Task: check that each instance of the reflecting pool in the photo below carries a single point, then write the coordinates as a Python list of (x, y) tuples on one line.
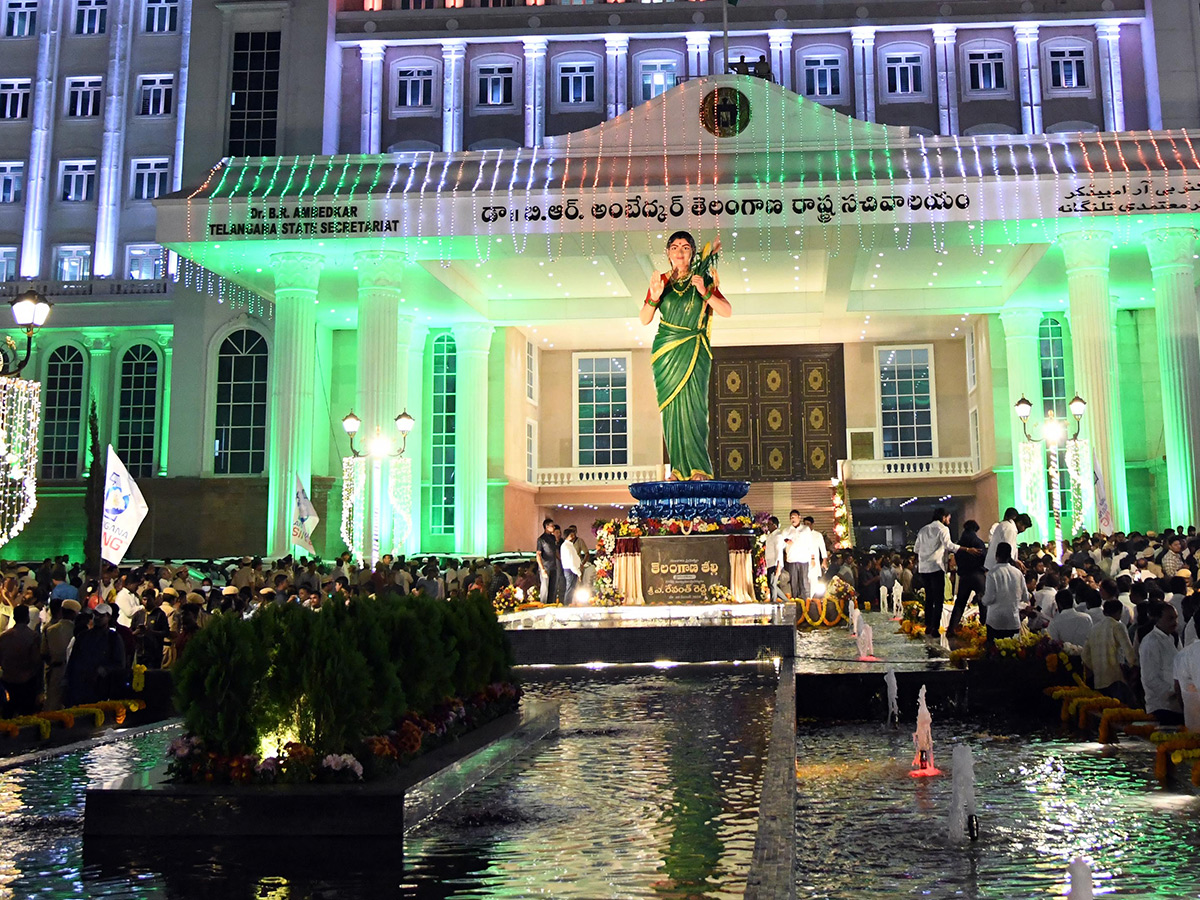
[(865, 828)]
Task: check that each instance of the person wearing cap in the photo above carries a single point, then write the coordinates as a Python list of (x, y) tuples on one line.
[(153, 631), (97, 660), (56, 646), (20, 666)]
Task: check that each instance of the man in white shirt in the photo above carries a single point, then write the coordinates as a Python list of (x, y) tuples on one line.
[(1004, 593), (571, 563), (795, 549), (1187, 683), (932, 546), (1043, 602), (815, 551), (128, 603), (773, 553), (1157, 657), (1108, 654), (1005, 532), (1070, 626)]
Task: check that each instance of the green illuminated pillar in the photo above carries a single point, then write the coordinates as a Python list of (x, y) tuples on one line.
[(1086, 255), (473, 340), (1025, 380), (293, 372), (1171, 251), (414, 401), (164, 416)]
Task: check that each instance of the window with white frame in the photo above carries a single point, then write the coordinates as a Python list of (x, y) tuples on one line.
[(442, 435), (986, 65), (602, 409), (14, 98), (496, 4), (532, 354), (254, 100), (63, 394), (576, 85), (906, 401), (77, 180), (145, 262), (72, 262), (821, 73), (151, 178), (83, 96), (531, 432), (905, 73), (12, 181), (240, 438), (1053, 359), (91, 16), (494, 85), (657, 76), (415, 87), (973, 421), (20, 18), (162, 16), (8, 263), (1067, 68), (137, 410), (970, 342), (156, 95)]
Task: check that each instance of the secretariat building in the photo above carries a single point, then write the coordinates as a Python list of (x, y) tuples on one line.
[(256, 217)]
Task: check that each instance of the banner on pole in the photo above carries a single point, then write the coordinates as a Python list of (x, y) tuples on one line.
[(124, 510), (304, 520), (1104, 520)]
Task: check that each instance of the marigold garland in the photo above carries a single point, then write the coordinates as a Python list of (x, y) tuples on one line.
[(1166, 750), (1115, 715), (138, 682), (1085, 705)]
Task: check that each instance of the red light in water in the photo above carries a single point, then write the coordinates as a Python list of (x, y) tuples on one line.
[(924, 773)]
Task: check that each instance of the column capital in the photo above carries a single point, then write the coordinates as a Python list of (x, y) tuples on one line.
[(454, 49), (863, 37), (1108, 31), (372, 51), (380, 268), (1020, 321), (534, 46), (1086, 250), (472, 337), (697, 41), (1169, 247), (615, 43), (780, 38), (944, 34), (1026, 33), (297, 271)]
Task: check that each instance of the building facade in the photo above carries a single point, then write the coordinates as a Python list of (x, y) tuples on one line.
[(518, 351)]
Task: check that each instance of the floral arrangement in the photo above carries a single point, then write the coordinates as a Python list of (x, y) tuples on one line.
[(843, 525), (508, 599), (607, 532), (45, 721), (1171, 749), (138, 682), (342, 767), (719, 593), (606, 593), (1116, 715)]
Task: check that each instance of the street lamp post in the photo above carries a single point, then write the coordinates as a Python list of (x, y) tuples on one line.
[(1054, 431), (379, 448), (29, 311)]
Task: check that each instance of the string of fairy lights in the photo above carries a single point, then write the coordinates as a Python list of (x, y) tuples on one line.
[(20, 416)]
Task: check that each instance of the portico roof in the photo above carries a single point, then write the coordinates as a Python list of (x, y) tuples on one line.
[(828, 218)]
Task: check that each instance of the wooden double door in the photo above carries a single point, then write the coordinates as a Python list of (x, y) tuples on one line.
[(777, 413)]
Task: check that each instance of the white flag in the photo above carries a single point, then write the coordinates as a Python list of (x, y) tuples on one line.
[(124, 510), (304, 520), (1103, 512)]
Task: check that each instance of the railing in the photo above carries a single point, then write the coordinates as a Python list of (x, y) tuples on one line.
[(599, 476), (932, 467), (100, 287)]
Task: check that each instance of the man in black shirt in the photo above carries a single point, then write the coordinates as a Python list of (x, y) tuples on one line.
[(548, 562)]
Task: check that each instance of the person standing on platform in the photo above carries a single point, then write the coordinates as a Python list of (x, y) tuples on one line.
[(1157, 657), (932, 546), (547, 554), (773, 557), (817, 552), (795, 546), (560, 581), (572, 566), (970, 571), (1004, 593), (56, 641), (20, 666)]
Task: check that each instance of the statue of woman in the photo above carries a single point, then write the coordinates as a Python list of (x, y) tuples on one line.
[(686, 297)]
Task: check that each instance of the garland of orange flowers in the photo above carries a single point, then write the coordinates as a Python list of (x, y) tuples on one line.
[(1196, 773), (822, 618), (63, 716), (138, 682), (1167, 748), (1111, 717), (1141, 729), (1068, 695), (1084, 705)]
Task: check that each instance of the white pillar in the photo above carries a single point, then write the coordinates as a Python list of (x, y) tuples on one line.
[(100, 381), (864, 73), (39, 176), (453, 99), (1086, 254), (781, 56), (167, 345), (947, 77), (1171, 262), (617, 72), (1029, 76), (1112, 91), (535, 91), (697, 50), (181, 93), (111, 169), (1022, 354), (417, 336), (292, 376), (381, 377), (371, 54), (472, 342)]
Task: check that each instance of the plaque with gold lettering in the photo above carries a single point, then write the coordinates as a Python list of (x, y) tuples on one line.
[(680, 568)]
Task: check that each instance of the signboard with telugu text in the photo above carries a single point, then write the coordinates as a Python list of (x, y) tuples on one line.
[(680, 568)]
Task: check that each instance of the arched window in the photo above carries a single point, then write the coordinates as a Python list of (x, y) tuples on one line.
[(441, 482), (240, 441), (1052, 354), (62, 413), (137, 411)]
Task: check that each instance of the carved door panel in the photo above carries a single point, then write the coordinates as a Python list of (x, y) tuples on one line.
[(774, 420), (731, 441)]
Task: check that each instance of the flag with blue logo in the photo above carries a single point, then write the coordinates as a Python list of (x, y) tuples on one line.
[(124, 510)]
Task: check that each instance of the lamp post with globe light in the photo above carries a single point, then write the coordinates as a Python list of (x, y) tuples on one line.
[(1054, 432), (29, 311)]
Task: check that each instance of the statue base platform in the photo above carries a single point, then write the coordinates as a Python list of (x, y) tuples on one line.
[(689, 500)]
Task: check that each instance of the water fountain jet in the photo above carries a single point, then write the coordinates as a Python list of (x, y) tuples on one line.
[(923, 740), (893, 692), (963, 822), (1079, 873)]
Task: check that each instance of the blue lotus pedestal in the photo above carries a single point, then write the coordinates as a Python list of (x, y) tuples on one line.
[(689, 499)]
